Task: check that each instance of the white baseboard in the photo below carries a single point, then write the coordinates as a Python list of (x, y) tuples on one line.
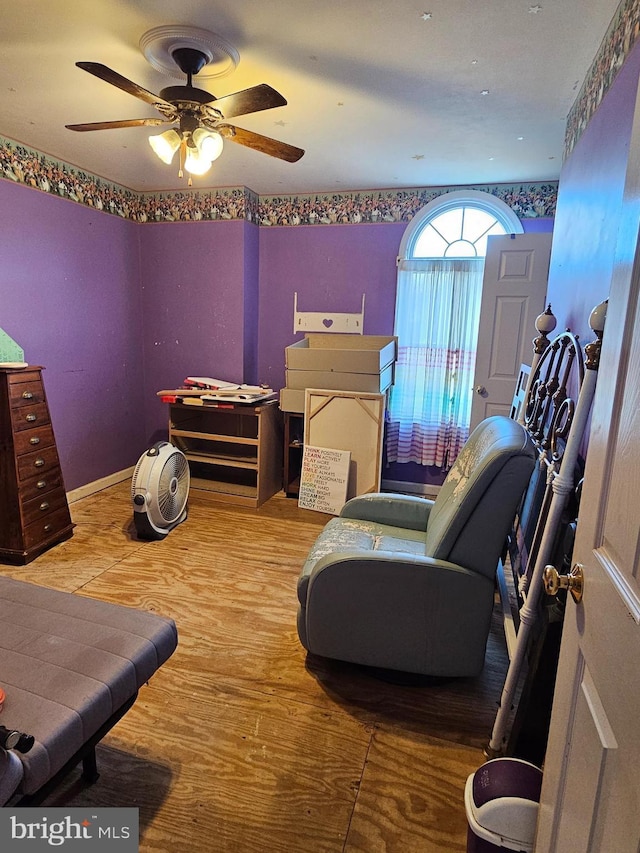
[(127, 473), (99, 485), (421, 489)]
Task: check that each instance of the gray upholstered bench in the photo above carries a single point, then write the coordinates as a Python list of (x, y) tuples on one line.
[(70, 666)]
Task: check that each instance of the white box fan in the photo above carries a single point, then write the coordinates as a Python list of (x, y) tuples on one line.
[(160, 490)]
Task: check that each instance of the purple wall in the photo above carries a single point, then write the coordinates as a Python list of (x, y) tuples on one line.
[(115, 310), (193, 307), (251, 301), (69, 296), (330, 267), (589, 208), (537, 226)]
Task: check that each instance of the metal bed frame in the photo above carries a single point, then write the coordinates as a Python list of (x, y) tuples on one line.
[(554, 408)]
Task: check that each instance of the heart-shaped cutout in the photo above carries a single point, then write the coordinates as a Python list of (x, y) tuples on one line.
[(327, 322)]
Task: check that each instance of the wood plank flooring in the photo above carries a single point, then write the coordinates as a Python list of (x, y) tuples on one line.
[(241, 742)]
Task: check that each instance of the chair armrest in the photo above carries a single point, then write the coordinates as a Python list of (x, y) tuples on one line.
[(404, 612), (406, 511), (393, 563)]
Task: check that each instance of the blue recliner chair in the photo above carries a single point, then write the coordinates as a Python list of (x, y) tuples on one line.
[(404, 583)]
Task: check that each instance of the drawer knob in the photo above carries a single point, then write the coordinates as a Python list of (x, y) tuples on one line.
[(44, 505), (39, 462), (48, 528), (27, 395), (41, 484), (34, 440), (31, 418)]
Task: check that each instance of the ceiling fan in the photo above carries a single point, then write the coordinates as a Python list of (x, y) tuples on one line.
[(199, 118)]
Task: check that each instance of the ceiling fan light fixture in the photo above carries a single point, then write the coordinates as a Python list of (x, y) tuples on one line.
[(165, 145), (196, 115), (208, 143), (195, 163)]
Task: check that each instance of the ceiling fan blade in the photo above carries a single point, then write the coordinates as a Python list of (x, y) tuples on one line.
[(109, 125), (262, 97), (110, 76), (264, 144)]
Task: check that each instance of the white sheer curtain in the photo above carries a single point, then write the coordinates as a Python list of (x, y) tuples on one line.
[(437, 313)]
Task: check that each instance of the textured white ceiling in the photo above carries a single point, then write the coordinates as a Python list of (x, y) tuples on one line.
[(379, 94)]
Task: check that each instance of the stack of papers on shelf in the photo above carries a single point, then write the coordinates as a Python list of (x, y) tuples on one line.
[(207, 391), (239, 396), (208, 382)]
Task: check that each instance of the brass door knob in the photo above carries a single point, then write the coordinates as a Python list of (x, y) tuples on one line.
[(574, 581)]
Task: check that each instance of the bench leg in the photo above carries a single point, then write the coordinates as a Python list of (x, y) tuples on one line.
[(90, 772)]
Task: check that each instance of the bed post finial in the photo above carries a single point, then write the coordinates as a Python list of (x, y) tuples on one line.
[(592, 350)]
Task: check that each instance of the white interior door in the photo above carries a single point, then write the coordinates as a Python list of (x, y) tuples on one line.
[(513, 294), (591, 784)]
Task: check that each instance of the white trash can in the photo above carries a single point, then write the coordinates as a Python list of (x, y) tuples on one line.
[(501, 800)]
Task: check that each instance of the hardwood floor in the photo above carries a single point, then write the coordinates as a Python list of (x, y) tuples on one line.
[(241, 742)]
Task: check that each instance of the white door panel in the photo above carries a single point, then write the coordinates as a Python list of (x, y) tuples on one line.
[(513, 294), (591, 785), (592, 748)]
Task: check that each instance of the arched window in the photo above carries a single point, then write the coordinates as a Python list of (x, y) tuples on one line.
[(439, 289)]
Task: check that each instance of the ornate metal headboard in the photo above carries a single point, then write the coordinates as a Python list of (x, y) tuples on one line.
[(548, 413), (555, 412), (550, 405)]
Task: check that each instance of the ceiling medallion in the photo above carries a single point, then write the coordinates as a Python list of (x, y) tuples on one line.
[(159, 43)]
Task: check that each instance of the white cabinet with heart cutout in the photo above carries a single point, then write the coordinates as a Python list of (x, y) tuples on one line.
[(327, 321)]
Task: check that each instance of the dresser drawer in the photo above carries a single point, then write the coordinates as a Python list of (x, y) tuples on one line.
[(41, 462), (26, 441), (43, 506), (34, 514), (25, 390), (46, 527), (29, 416), (41, 485)]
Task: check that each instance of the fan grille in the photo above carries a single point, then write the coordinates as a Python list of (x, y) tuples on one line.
[(173, 486)]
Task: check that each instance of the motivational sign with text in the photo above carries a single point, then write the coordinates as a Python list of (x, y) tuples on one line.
[(324, 479)]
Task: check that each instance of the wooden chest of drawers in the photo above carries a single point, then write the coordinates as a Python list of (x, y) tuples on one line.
[(34, 514)]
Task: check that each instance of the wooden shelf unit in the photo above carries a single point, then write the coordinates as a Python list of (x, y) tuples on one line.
[(293, 449), (235, 452), (34, 513)]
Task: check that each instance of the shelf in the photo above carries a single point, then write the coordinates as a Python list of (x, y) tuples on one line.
[(248, 462), (210, 484), (234, 453), (293, 449), (210, 436), (292, 489)]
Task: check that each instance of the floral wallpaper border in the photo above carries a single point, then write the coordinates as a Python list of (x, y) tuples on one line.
[(527, 200), (615, 47), (24, 165)]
